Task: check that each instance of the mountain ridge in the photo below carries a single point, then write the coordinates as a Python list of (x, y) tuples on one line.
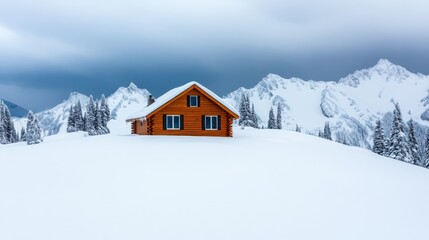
[(350, 105)]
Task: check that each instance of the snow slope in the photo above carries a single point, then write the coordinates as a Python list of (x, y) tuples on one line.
[(351, 105), (261, 184)]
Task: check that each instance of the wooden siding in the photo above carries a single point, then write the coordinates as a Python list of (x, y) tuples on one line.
[(140, 127), (192, 117)]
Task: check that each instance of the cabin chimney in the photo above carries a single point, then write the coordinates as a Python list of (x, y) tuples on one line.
[(150, 100)]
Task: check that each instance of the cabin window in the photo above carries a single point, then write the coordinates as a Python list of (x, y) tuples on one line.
[(193, 101), (211, 123), (173, 122)]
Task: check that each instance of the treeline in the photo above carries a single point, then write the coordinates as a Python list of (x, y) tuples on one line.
[(400, 145), (94, 120), (32, 134), (248, 117)]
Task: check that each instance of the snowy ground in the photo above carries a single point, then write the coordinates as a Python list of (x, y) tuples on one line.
[(258, 185)]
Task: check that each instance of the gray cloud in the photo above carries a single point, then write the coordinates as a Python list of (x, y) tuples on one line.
[(96, 46)]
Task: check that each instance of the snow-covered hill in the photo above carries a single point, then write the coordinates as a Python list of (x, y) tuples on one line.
[(261, 184), (351, 105)]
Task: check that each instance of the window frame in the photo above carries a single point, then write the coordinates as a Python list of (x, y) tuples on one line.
[(196, 100), (211, 122), (172, 124)]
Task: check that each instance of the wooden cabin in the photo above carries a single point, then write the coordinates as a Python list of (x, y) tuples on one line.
[(188, 110)]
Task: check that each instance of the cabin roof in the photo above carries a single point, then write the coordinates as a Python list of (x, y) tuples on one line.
[(175, 92)]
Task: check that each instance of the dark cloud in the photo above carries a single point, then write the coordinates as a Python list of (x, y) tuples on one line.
[(96, 46)]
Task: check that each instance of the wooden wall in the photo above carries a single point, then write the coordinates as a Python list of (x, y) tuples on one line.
[(140, 127)]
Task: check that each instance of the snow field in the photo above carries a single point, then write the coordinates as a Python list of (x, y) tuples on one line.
[(261, 184)]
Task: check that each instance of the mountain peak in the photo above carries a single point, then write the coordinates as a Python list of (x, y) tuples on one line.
[(388, 67), (384, 63), (132, 86), (76, 96), (383, 70)]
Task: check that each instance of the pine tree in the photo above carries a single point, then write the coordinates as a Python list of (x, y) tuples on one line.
[(71, 121), (254, 117), (279, 117), (23, 135), (97, 122), (84, 122), (379, 146), (34, 133), (104, 115), (3, 139), (271, 120), (327, 131), (413, 144), (321, 135), (247, 116), (398, 145), (426, 153), (8, 126), (91, 117), (297, 128), (79, 124), (243, 110)]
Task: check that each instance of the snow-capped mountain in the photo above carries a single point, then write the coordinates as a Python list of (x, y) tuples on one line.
[(351, 105), (15, 110), (54, 120), (123, 102)]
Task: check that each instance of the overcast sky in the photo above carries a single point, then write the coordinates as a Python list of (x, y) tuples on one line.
[(49, 48)]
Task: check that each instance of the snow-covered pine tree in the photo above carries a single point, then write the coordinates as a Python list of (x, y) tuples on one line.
[(8, 125), (413, 144), (3, 139), (297, 128), (79, 124), (398, 145), (23, 135), (84, 122), (243, 110), (34, 133), (254, 117), (97, 122), (91, 117), (271, 120), (327, 131), (279, 117), (426, 152), (247, 119), (71, 121), (99, 125), (321, 134), (104, 114), (38, 130), (379, 146)]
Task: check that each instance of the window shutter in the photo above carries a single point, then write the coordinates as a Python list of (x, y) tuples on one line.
[(189, 101), (164, 122), (219, 122), (203, 120), (182, 122), (198, 101)]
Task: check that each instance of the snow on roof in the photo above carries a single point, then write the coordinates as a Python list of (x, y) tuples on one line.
[(172, 94)]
